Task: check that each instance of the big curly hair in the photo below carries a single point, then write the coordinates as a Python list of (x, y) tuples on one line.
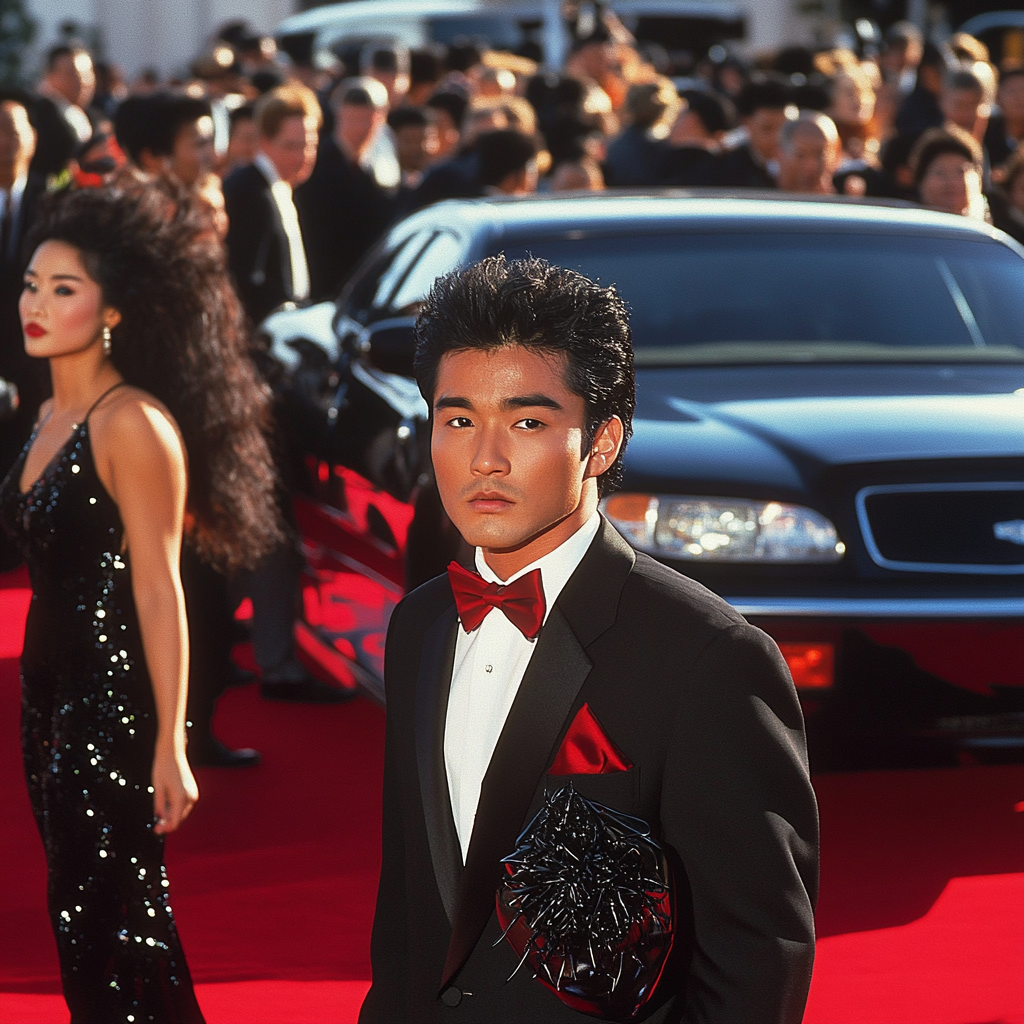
[(182, 338)]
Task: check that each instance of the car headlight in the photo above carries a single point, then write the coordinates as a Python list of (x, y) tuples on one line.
[(723, 529)]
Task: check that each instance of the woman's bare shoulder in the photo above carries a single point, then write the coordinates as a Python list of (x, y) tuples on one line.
[(131, 421)]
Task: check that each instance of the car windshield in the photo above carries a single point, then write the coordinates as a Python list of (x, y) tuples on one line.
[(776, 296)]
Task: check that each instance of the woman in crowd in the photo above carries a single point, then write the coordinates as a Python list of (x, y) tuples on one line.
[(155, 429), (946, 164)]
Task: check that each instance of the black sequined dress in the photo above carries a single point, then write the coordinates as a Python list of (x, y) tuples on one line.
[(88, 737)]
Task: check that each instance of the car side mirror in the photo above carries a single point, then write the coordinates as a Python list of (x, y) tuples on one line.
[(389, 345)]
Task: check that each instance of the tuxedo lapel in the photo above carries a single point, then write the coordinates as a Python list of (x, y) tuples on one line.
[(557, 670), (432, 687)]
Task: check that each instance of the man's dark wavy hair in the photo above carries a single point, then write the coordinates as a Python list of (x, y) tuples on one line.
[(529, 302), (182, 337)]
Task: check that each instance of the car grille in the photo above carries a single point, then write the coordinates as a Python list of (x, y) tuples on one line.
[(952, 527)]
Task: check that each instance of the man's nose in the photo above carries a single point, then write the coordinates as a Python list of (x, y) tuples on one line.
[(490, 457)]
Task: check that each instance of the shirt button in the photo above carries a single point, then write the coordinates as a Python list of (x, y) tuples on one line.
[(488, 668), (451, 996)]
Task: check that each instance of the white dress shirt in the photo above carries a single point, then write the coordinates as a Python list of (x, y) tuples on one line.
[(282, 193), (489, 665)]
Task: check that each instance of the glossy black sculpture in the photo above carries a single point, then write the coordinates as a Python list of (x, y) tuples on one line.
[(588, 904)]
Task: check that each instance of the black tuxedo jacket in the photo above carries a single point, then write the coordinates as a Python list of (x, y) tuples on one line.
[(258, 255), (702, 705)]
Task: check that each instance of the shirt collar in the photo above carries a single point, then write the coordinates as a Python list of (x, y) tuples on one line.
[(266, 167), (555, 567), (17, 190)]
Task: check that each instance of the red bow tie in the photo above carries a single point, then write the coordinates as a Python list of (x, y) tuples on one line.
[(522, 601)]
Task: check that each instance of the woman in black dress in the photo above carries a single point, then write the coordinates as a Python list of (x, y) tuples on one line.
[(155, 429)]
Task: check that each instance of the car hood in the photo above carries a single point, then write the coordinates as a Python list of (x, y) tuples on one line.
[(723, 426)]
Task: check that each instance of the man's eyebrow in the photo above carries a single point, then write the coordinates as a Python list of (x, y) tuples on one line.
[(530, 402), (453, 402)]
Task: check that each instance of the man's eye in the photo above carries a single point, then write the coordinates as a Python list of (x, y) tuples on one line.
[(460, 421), (529, 424)]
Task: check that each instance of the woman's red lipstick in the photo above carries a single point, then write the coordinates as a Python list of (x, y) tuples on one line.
[(34, 330)]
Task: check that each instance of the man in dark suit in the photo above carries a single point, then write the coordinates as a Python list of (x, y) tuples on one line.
[(20, 191), (266, 253), (573, 659), (763, 107)]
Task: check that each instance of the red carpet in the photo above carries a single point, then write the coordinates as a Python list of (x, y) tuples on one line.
[(274, 877)]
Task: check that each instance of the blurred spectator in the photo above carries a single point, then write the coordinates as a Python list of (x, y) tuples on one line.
[(508, 163), (69, 82), (220, 75), (1008, 198), (449, 112), (389, 65), (583, 175), (808, 154), (920, 110), (416, 142), (946, 164), (361, 110), (967, 49), (963, 103), (341, 208), (147, 82), (492, 83), (901, 55), (110, 88), (696, 138), (266, 80), (298, 48), (243, 138), (256, 53), (763, 107), (459, 177), (20, 191), (1006, 127), (167, 134), (852, 108), (265, 248), (591, 61), (426, 69), (637, 155), (97, 160)]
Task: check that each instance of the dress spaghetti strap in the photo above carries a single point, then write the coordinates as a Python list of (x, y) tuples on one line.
[(119, 384)]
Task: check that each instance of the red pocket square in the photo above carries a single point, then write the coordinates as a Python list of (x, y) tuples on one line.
[(586, 750)]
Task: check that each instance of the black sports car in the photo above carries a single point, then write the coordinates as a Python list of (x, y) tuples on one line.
[(829, 433)]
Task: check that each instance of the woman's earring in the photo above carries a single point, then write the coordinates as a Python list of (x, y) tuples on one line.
[(106, 340)]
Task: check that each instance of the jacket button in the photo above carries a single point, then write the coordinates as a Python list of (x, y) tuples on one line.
[(451, 996)]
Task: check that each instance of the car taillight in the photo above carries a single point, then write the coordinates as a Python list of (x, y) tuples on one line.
[(811, 665)]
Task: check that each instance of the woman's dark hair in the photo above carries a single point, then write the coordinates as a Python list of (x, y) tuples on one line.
[(937, 142), (529, 302), (182, 338)]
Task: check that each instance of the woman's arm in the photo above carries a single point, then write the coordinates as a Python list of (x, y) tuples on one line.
[(143, 466)]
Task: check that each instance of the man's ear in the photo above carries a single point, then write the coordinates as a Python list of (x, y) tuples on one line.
[(606, 447)]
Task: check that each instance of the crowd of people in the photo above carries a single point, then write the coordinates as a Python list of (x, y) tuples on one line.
[(301, 167)]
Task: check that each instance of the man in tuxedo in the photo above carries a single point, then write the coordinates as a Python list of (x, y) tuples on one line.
[(574, 659), (266, 253)]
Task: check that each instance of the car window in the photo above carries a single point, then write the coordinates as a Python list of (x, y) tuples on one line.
[(377, 280), (744, 295), (443, 252)]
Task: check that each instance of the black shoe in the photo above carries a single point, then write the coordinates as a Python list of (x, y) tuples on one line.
[(214, 754), (304, 691)]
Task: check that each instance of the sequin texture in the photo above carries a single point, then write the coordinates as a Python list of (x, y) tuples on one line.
[(88, 738)]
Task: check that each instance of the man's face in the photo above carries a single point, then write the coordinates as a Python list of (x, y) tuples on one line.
[(808, 164), (949, 183), (1011, 99), (292, 150), (355, 125), (17, 139), (193, 156), (74, 78), (415, 146), (962, 107), (764, 126), (506, 442)]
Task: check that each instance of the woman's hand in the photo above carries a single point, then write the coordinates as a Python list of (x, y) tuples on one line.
[(174, 789)]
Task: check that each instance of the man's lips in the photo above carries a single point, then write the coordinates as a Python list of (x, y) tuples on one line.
[(34, 330), (489, 501)]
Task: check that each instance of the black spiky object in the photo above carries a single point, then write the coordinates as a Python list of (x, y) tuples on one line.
[(587, 903)]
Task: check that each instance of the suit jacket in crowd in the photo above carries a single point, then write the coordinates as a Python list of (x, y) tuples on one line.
[(739, 168), (702, 705), (343, 211), (634, 159), (258, 255)]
